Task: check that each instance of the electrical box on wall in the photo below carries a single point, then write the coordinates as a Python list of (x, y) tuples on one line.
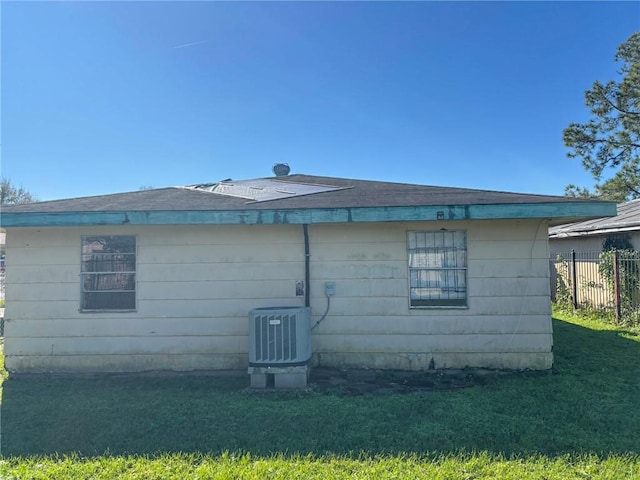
[(330, 288), (299, 288)]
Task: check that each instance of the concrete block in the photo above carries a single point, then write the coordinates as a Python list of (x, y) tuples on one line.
[(279, 377), (290, 380), (258, 380)]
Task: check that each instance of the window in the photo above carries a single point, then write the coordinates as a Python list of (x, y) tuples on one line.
[(108, 278), (438, 268)]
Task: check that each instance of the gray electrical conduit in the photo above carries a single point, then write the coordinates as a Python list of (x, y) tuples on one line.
[(324, 315), (307, 255), (307, 276)]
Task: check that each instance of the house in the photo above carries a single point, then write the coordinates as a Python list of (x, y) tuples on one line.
[(589, 235), (2, 265), (421, 277), (2, 243), (576, 248)]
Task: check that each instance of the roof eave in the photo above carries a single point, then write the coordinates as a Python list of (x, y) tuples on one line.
[(558, 210), (597, 231)]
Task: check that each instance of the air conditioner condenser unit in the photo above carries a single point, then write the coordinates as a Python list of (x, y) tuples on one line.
[(279, 336)]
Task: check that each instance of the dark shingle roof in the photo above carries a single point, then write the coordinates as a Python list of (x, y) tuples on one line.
[(348, 201), (354, 194)]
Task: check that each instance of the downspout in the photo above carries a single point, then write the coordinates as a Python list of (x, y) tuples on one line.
[(307, 276)]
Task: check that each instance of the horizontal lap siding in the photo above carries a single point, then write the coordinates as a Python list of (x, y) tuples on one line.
[(346, 306), (228, 272), (95, 345), (131, 326), (389, 305), (128, 363), (506, 287), (160, 308), (482, 269), (195, 286), (427, 360), (508, 299), (218, 255), (168, 290), (579, 244), (446, 343), (128, 326), (434, 325)]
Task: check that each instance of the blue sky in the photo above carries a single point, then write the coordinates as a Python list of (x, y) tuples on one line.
[(105, 97)]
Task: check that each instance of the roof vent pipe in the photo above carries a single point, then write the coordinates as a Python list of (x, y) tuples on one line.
[(281, 169)]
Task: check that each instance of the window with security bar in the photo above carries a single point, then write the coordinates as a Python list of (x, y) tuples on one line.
[(438, 268), (108, 273)]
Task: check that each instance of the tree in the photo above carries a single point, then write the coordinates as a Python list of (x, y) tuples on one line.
[(575, 191), (611, 139), (10, 194), (620, 188)]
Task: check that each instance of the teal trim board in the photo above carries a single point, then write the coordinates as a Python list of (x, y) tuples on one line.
[(573, 210)]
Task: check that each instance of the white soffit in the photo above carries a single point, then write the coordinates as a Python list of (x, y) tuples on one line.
[(261, 190)]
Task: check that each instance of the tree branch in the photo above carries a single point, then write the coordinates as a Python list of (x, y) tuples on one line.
[(616, 144), (626, 112), (633, 189)]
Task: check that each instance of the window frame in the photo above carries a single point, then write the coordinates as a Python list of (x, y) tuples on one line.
[(84, 274), (438, 303)]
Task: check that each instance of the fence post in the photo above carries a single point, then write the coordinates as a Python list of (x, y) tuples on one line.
[(574, 280), (616, 284)]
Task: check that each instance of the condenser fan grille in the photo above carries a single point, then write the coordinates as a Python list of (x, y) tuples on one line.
[(279, 336)]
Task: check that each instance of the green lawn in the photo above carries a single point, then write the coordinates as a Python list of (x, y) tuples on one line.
[(581, 421)]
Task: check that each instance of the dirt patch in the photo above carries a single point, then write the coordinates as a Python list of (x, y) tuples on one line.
[(382, 382)]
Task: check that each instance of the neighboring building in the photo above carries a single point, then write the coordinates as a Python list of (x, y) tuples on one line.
[(578, 245), (424, 277), (2, 266), (589, 235), (2, 243)]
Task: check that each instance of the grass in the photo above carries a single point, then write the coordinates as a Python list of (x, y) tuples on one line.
[(228, 466), (581, 421)]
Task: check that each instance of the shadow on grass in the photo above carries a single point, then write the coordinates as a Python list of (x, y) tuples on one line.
[(588, 405)]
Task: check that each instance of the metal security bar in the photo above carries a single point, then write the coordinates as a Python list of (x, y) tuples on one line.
[(437, 268), (108, 273)]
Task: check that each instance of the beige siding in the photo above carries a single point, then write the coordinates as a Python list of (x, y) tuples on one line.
[(148, 345), (506, 325), (128, 363), (129, 326), (485, 343), (196, 285), (579, 244), (422, 360)]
